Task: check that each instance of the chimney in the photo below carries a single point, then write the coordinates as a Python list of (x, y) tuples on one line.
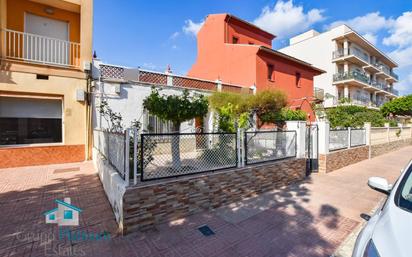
[(67, 200)]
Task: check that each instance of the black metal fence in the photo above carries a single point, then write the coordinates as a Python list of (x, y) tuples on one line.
[(173, 155), (263, 146)]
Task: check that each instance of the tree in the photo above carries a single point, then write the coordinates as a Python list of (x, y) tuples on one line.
[(398, 106), (177, 109), (267, 105), (232, 109)]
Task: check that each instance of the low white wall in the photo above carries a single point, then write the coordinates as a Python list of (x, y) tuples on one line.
[(114, 186)]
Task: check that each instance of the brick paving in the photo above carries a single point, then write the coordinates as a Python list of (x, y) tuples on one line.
[(311, 218)]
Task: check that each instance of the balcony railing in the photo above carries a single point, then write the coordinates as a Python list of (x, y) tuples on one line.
[(342, 52), (39, 49), (394, 75), (359, 76)]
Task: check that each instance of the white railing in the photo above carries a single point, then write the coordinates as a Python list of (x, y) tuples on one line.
[(39, 49)]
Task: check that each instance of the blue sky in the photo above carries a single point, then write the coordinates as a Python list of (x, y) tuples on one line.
[(154, 34)]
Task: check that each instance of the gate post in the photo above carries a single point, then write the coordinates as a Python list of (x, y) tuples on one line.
[(367, 126), (323, 137), (300, 128)]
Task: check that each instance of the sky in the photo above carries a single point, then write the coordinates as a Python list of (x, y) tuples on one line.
[(155, 34)]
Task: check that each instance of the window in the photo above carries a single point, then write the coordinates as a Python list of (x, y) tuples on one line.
[(30, 121), (52, 216), (297, 76), (270, 74), (68, 214), (235, 40), (156, 125)]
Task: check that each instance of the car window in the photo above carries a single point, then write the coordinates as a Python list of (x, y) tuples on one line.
[(403, 197)]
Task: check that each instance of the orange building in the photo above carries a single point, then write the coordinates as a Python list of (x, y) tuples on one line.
[(45, 59), (238, 52)]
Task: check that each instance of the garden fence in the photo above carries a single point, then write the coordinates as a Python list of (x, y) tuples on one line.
[(186, 153), (357, 137), (112, 145), (263, 146), (381, 135), (346, 138), (338, 139)]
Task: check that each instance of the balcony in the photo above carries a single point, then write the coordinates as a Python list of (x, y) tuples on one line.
[(362, 79), (351, 54), (37, 49), (352, 75)]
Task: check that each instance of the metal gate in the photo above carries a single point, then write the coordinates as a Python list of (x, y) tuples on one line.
[(312, 149)]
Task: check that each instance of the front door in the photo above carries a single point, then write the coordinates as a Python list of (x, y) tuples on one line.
[(46, 40)]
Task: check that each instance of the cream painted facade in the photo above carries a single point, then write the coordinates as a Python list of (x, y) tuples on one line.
[(54, 69), (356, 71)]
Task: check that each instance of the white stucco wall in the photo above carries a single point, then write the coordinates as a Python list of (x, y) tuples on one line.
[(114, 186), (129, 103)]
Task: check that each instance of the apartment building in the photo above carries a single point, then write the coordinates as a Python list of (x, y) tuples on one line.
[(46, 50), (356, 71), (235, 51)]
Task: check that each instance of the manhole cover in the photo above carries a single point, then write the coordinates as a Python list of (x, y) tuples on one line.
[(206, 230)]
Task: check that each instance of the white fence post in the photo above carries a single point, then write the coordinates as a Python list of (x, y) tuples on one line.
[(367, 126), (136, 138), (324, 128), (169, 78), (300, 128), (240, 148), (219, 85), (349, 137), (127, 156), (401, 129), (387, 131)]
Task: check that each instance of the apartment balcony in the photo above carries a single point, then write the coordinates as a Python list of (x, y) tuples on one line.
[(359, 101), (387, 74), (31, 48), (362, 80), (355, 77), (350, 54)]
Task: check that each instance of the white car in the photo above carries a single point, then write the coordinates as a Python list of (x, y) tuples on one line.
[(388, 233)]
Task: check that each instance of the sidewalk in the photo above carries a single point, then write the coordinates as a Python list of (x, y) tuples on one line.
[(311, 218)]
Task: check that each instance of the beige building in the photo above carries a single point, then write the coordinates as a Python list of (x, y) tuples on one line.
[(356, 71), (46, 51)]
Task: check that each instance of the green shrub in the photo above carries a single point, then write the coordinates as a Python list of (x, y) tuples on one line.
[(354, 116), (398, 106), (288, 114)]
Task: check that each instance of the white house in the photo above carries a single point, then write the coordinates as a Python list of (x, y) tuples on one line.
[(64, 215), (355, 69), (124, 89)]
